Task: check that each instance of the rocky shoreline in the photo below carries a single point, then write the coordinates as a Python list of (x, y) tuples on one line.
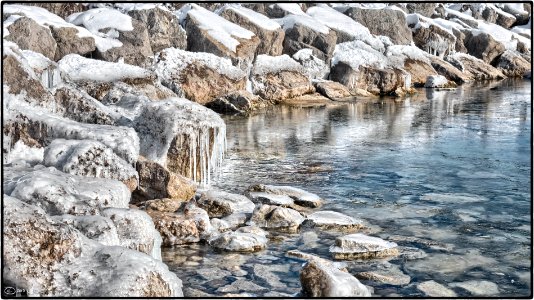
[(111, 130)]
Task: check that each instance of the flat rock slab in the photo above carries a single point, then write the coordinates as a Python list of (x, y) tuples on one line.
[(299, 196), (433, 289), (276, 217), (478, 287), (240, 241), (354, 246), (333, 220), (388, 274), (221, 204), (271, 199), (241, 285)]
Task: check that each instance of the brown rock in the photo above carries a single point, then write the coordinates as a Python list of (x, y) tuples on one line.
[(29, 35), (239, 102), (68, 42), (62, 9), (164, 205), (388, 22), (283, 85), (419, 71), (301, 37), (483, 46), (513, 65), (474, 67), (449, 71)]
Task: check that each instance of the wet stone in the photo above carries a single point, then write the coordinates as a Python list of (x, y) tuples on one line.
[(387, 274), (478, 287), (354, 246), (433, 289), (241, 285), (212, 273), (332, 220)]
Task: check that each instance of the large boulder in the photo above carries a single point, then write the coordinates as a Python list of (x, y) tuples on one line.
[(156, 181), (314, 67), (164, 30), (519, 11), (431, 37), (200, 77), (513, 65), (69, 41), (357, 245), (269, 32), (388, 22), (474, 67), (449, 71), (279, 77), (209, 32), (239, 102), (220, 204), (493, 14), (29, 35), (89, 158), (482, 45), (276, 217), (322, 280)]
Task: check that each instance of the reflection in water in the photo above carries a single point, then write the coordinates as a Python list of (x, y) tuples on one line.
[(448, 166)]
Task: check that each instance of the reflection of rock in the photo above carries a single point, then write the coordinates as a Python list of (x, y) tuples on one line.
[(359, 245), (319, 280), (332, 220), (478, 288), (275, 217), (220, 204), (433, 289)]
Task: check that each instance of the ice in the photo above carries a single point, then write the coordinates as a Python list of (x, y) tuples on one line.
[(266, 64), (292, 8), (81, 68), (289, 22), (435, 81), (219, 28), (127, 7), (21, 151), (254, 17)]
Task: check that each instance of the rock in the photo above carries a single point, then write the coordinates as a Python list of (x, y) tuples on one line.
[(482, 45), (388, 22), (63, 9), (69, 42), (310, 257), (449, 71), (521, 14), (332, 220), (200, 77), (433, 39), (478, 288), (89, 158), (385, 274), (308, 100), (211, 33), (239, 102), (241, 285), (182, 136), (476, 68), (303, 32), (268, 275), (271, 199), (319, 280), (279, 77), (269, 32), (29, 35), (424, 9), (314, 67), (135, 230), (156, 181), (495, 15), (513, 65), (38, 246), (220, 204), (433, 289), (359, 245), (419, 71), (280, 10), (163, 205), (97, 228), (275, 217), (164, 30), (333, 90), (438, 81), (299, 196), (213, 273), (240, 241)]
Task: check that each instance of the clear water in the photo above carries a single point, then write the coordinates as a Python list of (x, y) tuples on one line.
[(449, 167)]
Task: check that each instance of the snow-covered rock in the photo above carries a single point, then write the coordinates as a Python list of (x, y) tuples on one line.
[(437, 81), (29, 35), (446, 69), (476, 68), (279, 77), (314, 67), (280, 10), (322, 280), (89, 158), (332, 220), (483, 46), (220, 204), (434, 36), (271, 199), (514, 65), (200, 77), (245, 239), (97, 228), (300, 197), (209, 32), (182, 136), (276, 217), (268, 31), (359, 245)]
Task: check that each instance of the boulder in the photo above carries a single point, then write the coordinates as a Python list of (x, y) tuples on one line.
[(333, 90), (200, 77), (321, 280), (482, 45), (271, 199), (62, 9), (220, 204), (280, 10), (164, 30), (69, 42), (299, 196), (388, 22), (246, 239), (424, 9), (97, 228), (89, 158), (163, 205), (357, 245), (431, 288), (332, 220), (156, 181), (239, 102), (279, 77), (276, 217), (231, 222), (495, 15), (474, 67), (519, 11), (419, 71), (385, 273), (449, 71), (438, 81), (513, 64), (269, 32), (314, 67), (211, 33), (432, 38), (241, 285), (29, 35)]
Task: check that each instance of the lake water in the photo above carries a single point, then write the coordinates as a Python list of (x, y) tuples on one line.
[(447, 172)]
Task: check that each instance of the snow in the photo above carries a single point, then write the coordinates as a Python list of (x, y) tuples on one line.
[(314, 67), (503, 35), (407, 52), (254, 17), (172, 61), (127, 7), (289, 22), (266, 64), (524, 29), (436, 81), (80, 68), (358, 53), (291, 8), (219, 28), (21, 151)]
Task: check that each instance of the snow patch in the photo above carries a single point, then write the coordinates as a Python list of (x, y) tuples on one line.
[(266, 64), (254, 17), (289, 22), (81, 68)]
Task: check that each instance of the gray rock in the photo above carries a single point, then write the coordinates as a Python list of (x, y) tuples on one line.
[(319, 280), (433, 289), (29, 35), (434, 40), (266, 273), (332, 220), (240, 241), (493, 15), (359, 245), (275, 217), (424, 9), (388, 22), (220, 204), (212, 273), (241, 285), (238, 102), (333, 90), (479, 288), (513, 64), (314, 67), (474, 67), (68, 42), (163, 27), (271, 199), (483, 46), (279, 11), (449, 71), (302, 37), (386, 274), (299, 196)]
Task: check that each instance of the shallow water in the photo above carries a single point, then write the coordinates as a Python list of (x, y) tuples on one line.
[(452, 167)]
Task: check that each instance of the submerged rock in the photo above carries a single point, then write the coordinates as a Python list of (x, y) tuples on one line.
[(275, 217), (245, 239), (220, 204), (332, 220), (241, 285), (299, 196), (320, 280), (479, 288), (359, 245), (433, 289), (386, 274)]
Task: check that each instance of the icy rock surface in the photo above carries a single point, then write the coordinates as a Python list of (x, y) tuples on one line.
[(359, 245), (436, 81), (245, 239), (332, 220), (299, 196), (97, 228), (276, 217), (220, 204)]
